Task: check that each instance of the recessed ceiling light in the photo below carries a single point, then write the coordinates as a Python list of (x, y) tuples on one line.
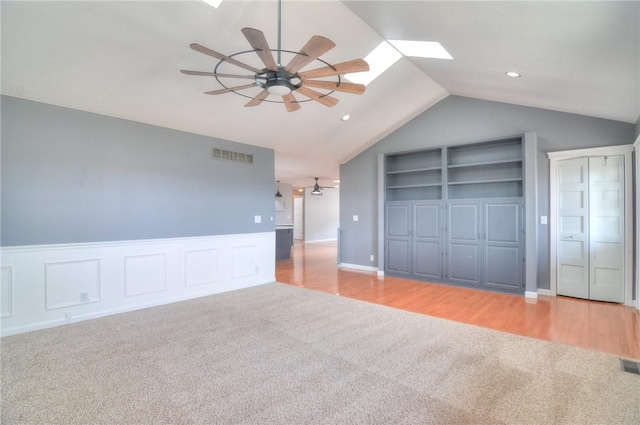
[(346, 117), (212, 3), (421, 49), (513, 74), (379, 60)]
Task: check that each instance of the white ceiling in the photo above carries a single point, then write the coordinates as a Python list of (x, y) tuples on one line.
[(122, 59)]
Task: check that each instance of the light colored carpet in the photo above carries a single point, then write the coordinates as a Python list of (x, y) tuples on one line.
[(277, 354)]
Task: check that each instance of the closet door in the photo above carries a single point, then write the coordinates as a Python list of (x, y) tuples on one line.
[(606, 241), (573, 228)]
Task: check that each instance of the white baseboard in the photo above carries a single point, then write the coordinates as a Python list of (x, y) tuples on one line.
[(321, 240), (44, 286), (358, 267), (530, 294), (544, 292)]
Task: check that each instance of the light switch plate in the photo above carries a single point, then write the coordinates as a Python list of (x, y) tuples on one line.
[(258, 219), (355, 218), (543, 219)]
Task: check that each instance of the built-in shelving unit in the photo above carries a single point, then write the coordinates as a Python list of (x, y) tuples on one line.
[(414, 175), (455, 214), (485, 170)]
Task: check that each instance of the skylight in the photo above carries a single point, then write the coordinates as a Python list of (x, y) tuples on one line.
[(379, 60), (212, 3), (421, 49)]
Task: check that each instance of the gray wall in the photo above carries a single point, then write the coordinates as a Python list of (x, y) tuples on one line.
[(638, 127), (457, 120), (70, 176)]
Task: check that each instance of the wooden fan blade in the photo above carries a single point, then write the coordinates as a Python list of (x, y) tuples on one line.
[(333, 85), (228, 89), (257, 40), (315, 47), (215, 74), (199, 48), (290, 102), (356, 65), (318, 97), (258, 99)]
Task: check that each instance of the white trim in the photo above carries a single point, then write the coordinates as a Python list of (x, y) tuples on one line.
[(31, 311), (578, 153), (530, 294), (554, 157), (546, 292), (321, 240), (637, 238), (358, 267), (381, 273)]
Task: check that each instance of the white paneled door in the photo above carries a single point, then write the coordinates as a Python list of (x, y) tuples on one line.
[(607, 230), (590, 250)]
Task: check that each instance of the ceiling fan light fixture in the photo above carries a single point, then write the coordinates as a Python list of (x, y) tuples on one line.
[(279, 86), (316, 188)]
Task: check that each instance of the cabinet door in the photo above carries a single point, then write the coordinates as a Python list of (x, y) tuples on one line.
[(463, 242), (427, 251), (502, 247), (398, 235)]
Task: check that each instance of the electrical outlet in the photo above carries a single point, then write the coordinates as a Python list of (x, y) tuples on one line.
[(257, 219), (372, 258), (84, 297)]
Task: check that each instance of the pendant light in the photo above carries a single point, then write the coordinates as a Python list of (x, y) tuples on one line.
[(278, 194)]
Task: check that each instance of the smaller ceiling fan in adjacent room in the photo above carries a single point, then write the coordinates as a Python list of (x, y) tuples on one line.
[(317, 190), (277, 79)]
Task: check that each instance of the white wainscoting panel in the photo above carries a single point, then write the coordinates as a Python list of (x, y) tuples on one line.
[(244, 261), (201, 267), (70, 283), (6, 284), (50, 285), (145, 274)]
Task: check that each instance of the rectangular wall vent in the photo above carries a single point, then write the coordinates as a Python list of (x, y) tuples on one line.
[(232, 156)]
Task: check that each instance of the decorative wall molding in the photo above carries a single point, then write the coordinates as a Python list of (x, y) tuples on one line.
[(72, 282), (51, 285), (6, 292), (201, 267), (145, 274)]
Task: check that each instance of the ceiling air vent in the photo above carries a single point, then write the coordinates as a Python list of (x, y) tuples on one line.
[(232, 156)]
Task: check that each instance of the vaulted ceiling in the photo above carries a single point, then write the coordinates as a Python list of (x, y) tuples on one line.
[(122, 59)]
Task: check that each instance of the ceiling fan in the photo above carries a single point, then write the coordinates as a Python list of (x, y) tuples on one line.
[(317, 190), (283, 80)]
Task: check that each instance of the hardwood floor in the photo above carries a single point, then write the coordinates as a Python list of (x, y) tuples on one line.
[(612, 328)]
